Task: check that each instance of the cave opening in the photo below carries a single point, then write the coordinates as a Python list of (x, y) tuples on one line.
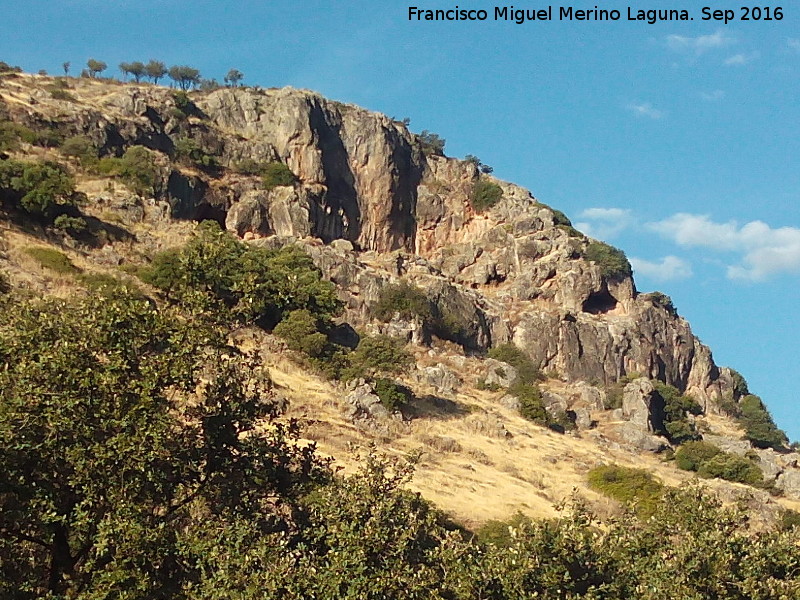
[(599, 303)]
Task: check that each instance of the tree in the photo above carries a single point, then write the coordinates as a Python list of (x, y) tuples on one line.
[(65, 65), (233, 77), (155, 70), (124, 430), (136, 69), (125, 69), (96, 67), (185, 76)]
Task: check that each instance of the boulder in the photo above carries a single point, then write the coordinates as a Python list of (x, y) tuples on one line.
[(643, 406)]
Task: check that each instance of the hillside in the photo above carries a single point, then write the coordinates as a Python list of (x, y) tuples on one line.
[(482, 263)]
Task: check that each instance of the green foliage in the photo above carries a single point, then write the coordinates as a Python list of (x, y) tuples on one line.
[(107, 285), (379, 354), (612, 261), (431, 143), (233, 77), (662, 300), (277, 174), (137, 168), (732, 467), (790, 520), (72, 226), (82, 148), (52, 259), (402, 299), (692, 455), (759, 427), (43, 190), (155, 70), (301, 332), (245, 283), (7, 68), (113, 461), (96, 67), (559, 218), (249, 166), (191, 153), (186, 77), (527, 371), (11, 134), (499, 532), (531, 405), (676, 407), (485, 194), (630, 486), (393, 395), (59, 94), (740, 387)]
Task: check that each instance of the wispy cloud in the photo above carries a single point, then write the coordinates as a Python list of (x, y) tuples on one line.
[(765, 251), (700, 44), (670, 268), (646, 110), (741, 59), (714, 96), (604, 223)]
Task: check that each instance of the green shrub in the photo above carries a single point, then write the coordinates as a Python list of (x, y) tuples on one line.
[(191, 153), (485, 194), (52, 259), (138, 169), (732, 467), (12, 133), (431, 143), (277, 174), (527, 371), (248, 166), (678, 429), (404, 299), (43, 190), (740, 388), (629, 486), (72, 226), (692, 455), (531, 405), (759, 427), (498, 533), (82, 148), (379, 354), (59, 94), (393, 395), (662, 300), (559, 218), (789, 520), (108, 285), (612, 261), (301, 332), (729, 406)]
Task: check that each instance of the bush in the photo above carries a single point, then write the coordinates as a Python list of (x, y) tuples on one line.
[(393, 395), (527, 371), (107, 285), (12, 133), (485, 194), (52, 259), (629, 486), (59, 94), (692, 455), (43, 190), (82, 148), (189, 152), (759, 427), (404, 299), (138, 169), (732, 467), (72, 226), (378, 354), (612, 261), (662, 300), (531, 405), (498, 533), (248, 166), (431, 143), (678, 429), (277, 174), (301, 332)]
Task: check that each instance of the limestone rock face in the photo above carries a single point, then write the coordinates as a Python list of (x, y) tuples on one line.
[(515, 272), (642, 406)]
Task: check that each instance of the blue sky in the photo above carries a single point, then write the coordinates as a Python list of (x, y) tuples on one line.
[(678, 142)]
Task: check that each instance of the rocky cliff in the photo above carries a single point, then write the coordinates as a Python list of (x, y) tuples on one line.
[(517, 272)]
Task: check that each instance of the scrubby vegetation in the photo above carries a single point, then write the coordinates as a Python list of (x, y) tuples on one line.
[(634, 487), (52, 259), (524, 386), (137, 168), (612, 261), (277, 174), (404, 300), (709, 461), (759, 427), (677, 406), (485, 194), (43, 190)]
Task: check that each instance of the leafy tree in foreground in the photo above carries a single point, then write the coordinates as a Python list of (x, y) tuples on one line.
[(123, 429)]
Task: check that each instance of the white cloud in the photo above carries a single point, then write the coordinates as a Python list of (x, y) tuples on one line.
[(765, 251), (700, 44), (604, 223), (793, 43), (714, 96), (670, 268), (739, 60), (646, 110)]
